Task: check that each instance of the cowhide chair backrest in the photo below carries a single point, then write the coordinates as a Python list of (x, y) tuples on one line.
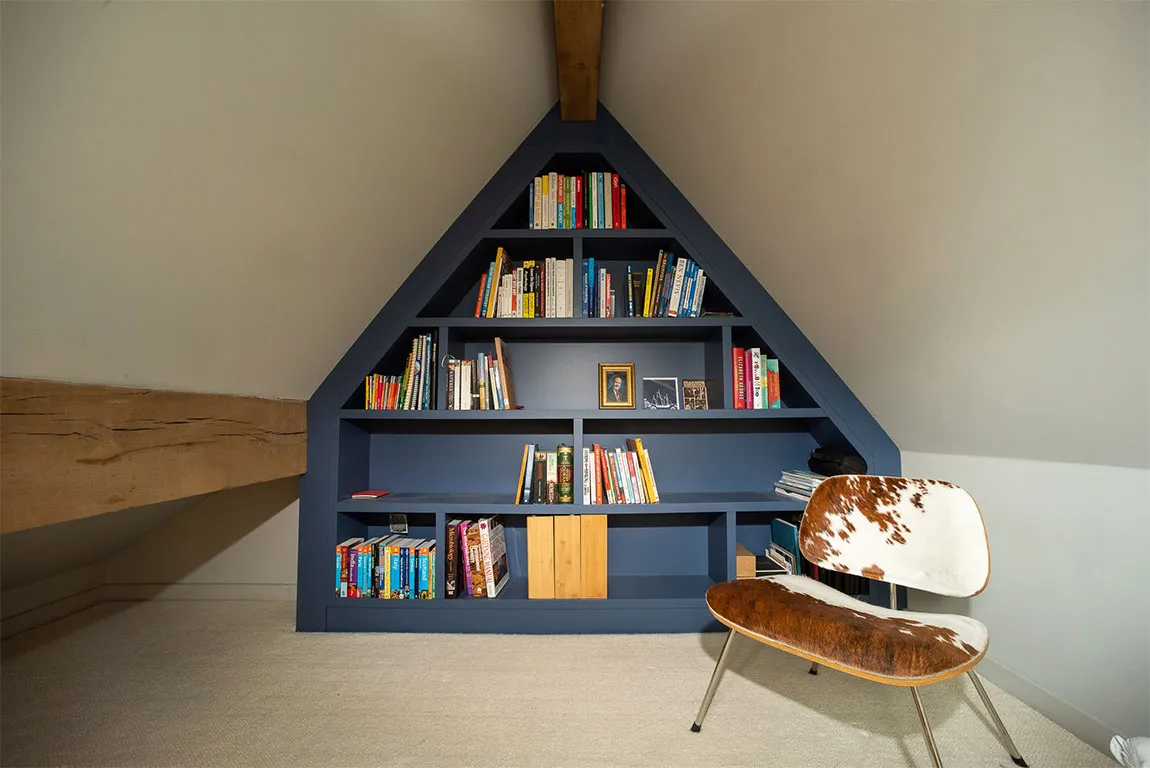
[(925, 534)]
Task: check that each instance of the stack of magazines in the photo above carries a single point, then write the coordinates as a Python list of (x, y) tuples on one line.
[(798, 484)]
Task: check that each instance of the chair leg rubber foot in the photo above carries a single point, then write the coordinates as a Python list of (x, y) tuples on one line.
[(1020, 761), (695, 728), (812, 671)]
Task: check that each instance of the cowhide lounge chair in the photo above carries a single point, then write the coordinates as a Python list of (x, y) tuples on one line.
[(924, 534)]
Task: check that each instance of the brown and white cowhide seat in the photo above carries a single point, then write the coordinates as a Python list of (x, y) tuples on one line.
[(809, 619), (925, 534)]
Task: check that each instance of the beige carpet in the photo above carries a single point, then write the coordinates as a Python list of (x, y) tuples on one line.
[(231, 684)]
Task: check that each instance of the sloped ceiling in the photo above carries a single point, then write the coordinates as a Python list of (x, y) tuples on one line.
[(949, 199), (952, 200)]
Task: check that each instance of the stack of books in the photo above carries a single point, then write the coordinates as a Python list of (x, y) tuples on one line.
[(414, 389), (476, 564), (531, 289), (392, 567), (482, 384), (798, 483), (595, 200)]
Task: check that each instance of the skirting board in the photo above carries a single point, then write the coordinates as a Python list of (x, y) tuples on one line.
[(55, 608), (1091, 730), (138, 592)]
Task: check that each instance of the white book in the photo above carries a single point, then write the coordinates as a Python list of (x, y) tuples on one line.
[(561, 294), (757, 378), (570, 286), (677, 289), (587, 477)]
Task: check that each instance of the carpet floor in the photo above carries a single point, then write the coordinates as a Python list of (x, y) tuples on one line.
[(231, 684)]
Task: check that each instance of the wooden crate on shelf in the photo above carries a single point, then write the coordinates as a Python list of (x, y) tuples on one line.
[(567, 556)]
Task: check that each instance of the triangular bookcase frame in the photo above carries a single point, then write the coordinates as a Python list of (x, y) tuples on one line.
[(607, 138)]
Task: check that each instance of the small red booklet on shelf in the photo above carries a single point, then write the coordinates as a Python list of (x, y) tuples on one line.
[(369, 494)]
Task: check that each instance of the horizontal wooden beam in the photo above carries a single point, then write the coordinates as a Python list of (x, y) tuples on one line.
[(69, 451), (578, 35)]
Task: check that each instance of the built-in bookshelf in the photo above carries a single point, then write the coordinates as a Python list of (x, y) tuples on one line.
[(715, 468)]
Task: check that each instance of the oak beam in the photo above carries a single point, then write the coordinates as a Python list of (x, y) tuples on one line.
[(69, 451), (578, 35)]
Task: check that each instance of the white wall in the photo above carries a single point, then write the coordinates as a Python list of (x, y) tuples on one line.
[(1068, 606), (218, 197)]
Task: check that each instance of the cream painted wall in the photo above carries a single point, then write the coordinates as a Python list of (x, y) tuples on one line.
[(1067, 605), (219, 197), (950, 199)]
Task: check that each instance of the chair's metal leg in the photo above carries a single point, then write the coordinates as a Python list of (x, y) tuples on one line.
[(814, 670), (935, 760), (710, 694), (1013, 750)]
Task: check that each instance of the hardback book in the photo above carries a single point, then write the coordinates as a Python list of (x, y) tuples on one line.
[(566, 474), (464, 584), (493, 554), (475, 561), (522, 487), (504, 372), (369, 494), (451, 563), (552, 478)]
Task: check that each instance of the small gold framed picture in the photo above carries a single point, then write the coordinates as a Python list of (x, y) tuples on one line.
[(616, 385), (694, 395)]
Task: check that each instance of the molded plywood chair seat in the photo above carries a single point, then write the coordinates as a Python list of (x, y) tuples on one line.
[(924, 534)]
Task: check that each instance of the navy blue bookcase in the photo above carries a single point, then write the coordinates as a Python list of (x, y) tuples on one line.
[(715, 468)]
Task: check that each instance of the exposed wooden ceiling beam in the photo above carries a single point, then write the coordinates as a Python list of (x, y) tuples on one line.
[(578, 33), (69, 451)]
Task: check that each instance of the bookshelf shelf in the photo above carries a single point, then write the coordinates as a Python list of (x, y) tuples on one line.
[(585, 328), (477, 504), (715, 469), (558, 234)]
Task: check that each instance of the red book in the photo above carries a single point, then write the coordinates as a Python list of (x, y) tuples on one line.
[(748, 385), (369, 494), (615, 218), (737, 377), (623, 206), (479, 298), (578, 202)]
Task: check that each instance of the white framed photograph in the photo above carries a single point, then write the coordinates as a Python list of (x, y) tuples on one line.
[(661, 394)]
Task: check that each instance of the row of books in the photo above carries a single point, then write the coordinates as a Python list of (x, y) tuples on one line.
[(798, 483), (546, 477), (532, 289), (391, 567), (414, 389), (619, 476), (482, 384), (476, 563), (756, 379), (672, 288), (784, 551), (596, 200)]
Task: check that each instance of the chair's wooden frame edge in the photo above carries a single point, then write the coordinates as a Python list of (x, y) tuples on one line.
[(909, 682)]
